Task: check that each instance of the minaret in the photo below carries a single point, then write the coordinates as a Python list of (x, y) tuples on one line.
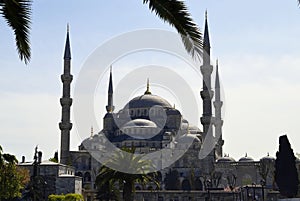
[(108, 120), (207, 94), (110, 107), (65, 125), (218, 122)]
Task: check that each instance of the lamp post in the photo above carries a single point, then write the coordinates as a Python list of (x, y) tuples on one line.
[(253, 188), (207, 186), (263, 183)]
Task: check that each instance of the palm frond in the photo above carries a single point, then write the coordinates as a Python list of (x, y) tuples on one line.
[(17, 14), (176, 14)]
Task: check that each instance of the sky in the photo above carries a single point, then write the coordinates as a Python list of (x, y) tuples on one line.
[(256, 42)]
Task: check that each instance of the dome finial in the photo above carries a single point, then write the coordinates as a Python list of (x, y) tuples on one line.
[(147, 90)]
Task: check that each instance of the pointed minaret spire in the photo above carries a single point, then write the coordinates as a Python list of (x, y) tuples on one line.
[(66, 101), (147, 90), (217, 82), (67, 54), (206, 41), (218, 122), (207, 94), (110, 107)]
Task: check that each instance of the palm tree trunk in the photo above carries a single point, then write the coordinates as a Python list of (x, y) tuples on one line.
[(127, 191)]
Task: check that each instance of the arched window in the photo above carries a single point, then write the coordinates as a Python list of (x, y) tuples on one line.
[(186, 186), (87, 177), (79, 174)]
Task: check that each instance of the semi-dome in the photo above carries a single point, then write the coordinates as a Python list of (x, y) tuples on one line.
[(246, 159), (225, 159), (147, 101), (140, 123)]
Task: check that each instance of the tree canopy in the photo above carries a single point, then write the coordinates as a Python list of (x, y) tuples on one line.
[(12, 178), (286, 175)]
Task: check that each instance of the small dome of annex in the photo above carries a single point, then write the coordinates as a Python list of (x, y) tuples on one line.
[(188, 138), (246, 158), (225, 159), (267, 158)]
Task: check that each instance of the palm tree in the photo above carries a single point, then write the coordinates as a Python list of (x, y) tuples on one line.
[(175, 12), (109, 176), (17, 14)]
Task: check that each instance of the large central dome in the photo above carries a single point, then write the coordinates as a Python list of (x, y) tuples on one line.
[(147, 101)]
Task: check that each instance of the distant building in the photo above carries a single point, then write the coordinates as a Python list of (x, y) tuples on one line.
[(56, 178)]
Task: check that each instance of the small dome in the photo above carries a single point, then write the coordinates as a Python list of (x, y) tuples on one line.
[(147, 101), (173, 112), (246, 159), (194, 129), (140, 123), (188, 138), (267, 158), (225, 159)]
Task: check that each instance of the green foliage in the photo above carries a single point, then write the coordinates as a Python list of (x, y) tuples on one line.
[(12, 178), (67, 197), (55, 158), (73, 197), (176, 14), (109, 176), (286, 175), (17, 14), (56, 197)]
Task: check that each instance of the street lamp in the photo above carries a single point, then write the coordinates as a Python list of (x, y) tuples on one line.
[(253, 188), (207, 183), (263, 183)]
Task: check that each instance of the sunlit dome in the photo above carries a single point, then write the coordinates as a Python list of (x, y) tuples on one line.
[(140, 123), (147, 101)]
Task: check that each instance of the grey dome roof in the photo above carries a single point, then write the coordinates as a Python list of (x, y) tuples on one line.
[(147, 101), (188, 138), (267, 158), (140, 123), (246, 159), (225, 159)]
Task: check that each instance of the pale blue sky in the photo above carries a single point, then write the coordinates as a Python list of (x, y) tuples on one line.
[(257, 43)]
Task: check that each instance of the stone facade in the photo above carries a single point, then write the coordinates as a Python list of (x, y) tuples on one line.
[(58, 178)]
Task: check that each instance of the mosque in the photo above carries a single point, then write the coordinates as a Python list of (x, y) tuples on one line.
[(151, 124)]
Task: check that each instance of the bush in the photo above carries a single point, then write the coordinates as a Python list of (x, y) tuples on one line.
[(67, 197)]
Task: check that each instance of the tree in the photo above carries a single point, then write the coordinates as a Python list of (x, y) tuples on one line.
[(67, 197), (126, 181), (17, 14), (286, 175), (55, 158), (175, 12), (12, 178), (172, 180)]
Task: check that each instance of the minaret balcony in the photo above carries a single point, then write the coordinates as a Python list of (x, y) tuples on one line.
[(66, 78), (65, 126), (206, 120), (218, 104), (66, 101), (206, 70), (207, 94)]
